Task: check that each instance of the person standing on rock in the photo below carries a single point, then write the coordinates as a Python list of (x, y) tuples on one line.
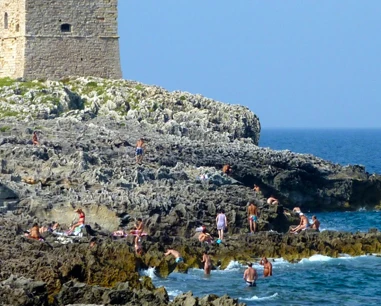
[(35, 140), (222, 223), (252, 212), (175, 254), (207, 262), (138, 231), (267, 267), (250, 275), (140, 146)]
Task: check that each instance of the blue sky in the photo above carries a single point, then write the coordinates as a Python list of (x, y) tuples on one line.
[(293, 63)]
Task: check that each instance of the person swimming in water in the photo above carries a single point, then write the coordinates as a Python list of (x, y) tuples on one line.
[(267, 267), (207, 263), (250, 275)]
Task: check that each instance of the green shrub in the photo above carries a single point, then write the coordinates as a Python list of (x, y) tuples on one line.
[(4, 128), (6, 82), (92, 84)]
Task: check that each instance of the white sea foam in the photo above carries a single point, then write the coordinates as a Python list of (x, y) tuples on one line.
[(316, 257), (233, 265), (279, 262), (257, 298), (174, 293), (149, 272)]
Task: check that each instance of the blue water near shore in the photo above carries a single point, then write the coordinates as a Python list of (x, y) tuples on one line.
[(318, 279), (342, 146)]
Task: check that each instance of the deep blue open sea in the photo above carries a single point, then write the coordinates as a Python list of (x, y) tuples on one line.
[(318, 280)]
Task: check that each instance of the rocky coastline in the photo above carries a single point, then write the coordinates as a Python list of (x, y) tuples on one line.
[(88, 129)]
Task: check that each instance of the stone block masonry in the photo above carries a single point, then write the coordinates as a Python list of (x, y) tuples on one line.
[(53, 39)]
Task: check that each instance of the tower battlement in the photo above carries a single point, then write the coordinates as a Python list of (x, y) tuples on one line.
[(55, 39)]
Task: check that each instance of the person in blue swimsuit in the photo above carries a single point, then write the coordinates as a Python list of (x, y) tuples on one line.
[(139, 150), (175, 254)]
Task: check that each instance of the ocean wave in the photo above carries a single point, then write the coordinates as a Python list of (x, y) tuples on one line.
[(149, 272), (233, 265), (316, 257), (256, 298), (174, 293)]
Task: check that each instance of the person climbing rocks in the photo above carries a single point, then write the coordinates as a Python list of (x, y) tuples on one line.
[(222, 223), (175, 254), (272, 200), (140, 147), (252, 212)]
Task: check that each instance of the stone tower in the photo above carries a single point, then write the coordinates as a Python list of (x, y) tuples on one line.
[(58, 38)]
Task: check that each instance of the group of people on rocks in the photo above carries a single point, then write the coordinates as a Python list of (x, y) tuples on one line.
[(304, 223), (36, 231)]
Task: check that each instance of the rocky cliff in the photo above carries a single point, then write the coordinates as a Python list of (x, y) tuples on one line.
[(88, 129)]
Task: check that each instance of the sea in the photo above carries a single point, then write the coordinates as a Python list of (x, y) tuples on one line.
[(318, 280)]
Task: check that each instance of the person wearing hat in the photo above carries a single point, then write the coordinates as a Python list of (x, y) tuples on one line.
[(81, 220), (302, 225)]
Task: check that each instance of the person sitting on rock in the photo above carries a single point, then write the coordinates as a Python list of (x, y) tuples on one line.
[(175, 254), (34, 232), (304, 224), (205, 237), (35, 140), (272, 200), (81, 220), (297, 210), (315, 224), (227, 169)]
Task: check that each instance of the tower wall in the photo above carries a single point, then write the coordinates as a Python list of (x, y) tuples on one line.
[(67, 38), (12, 38)]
